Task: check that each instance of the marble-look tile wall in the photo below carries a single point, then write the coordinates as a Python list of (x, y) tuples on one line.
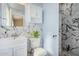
[(69, 26)]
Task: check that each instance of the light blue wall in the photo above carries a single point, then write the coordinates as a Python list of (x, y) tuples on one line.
[(50, 28)]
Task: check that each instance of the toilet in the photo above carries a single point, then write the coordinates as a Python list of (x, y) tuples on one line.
[(37, 50), (40, 52)]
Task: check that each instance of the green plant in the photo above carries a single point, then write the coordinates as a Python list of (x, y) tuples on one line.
[(35, 34)]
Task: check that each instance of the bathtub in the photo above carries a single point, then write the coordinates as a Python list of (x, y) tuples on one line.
[(10, 47)]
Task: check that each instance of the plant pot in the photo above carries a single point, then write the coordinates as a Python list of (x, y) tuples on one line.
[(35, 42)]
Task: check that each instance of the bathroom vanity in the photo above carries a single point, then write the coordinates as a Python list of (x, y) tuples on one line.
[(13, 42), (11, 47)]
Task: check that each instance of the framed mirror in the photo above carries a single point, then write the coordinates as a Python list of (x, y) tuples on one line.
[(17, 20), (17, 15), (14, 14)]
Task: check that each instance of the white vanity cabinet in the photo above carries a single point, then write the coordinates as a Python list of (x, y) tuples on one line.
[(13, 47), (18, 51)]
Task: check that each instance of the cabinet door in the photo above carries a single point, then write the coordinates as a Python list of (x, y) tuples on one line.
[(5, 52), (20, 51), (36, 13)]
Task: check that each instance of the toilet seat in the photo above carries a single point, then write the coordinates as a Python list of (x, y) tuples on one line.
[(40, 52)]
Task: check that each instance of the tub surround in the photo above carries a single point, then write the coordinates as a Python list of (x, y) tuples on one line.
[(69, 17)]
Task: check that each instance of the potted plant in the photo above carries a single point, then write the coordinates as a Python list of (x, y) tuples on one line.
[(35, 34), (35, 39)]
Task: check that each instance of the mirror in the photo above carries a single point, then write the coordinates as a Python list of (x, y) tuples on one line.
[(14, 14), (17, 14), (17, 20)]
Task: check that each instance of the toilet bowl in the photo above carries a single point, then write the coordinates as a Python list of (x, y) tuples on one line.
[(40, 52)]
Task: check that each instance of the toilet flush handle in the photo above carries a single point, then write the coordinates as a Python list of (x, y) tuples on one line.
[(54, 36)]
